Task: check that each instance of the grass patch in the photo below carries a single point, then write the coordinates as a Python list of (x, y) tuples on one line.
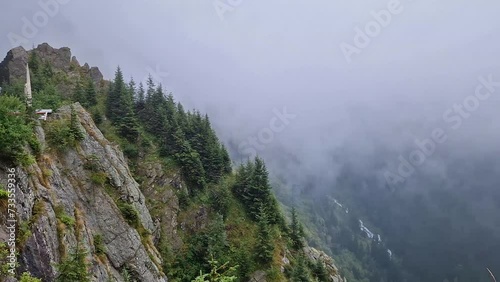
[(99, 178), (99, 244), (63, 217), (129, 213), (4, 194)]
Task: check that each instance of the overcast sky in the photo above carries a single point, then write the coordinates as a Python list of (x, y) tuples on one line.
[(240, 59)]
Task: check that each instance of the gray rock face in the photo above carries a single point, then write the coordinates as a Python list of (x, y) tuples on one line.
[(258, 276), (60, 183), (13, 65), (328, 262), (96, 75), (60, 58), (158, 186)]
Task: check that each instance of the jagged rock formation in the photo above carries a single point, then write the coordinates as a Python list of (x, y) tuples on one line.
[(13, 66), (328, 262)]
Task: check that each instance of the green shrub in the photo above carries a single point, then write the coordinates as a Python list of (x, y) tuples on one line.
[(35, 145), (129, 213), (219, 200), (24, 232), (3, 193), (67, 220), (99, 244), (126, 275), (99, 178), (73, 268), (97, 117), (64, 133), (38, 210), (14, 130), (58, 134), (222, 273), (47, 172), (26, 277), (131, 151), (92, 163), (63, 217), (48, 98), (25, 159)]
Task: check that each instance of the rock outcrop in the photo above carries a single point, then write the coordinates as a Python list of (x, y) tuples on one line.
[(315, 255), (61, 183), (13, 67)]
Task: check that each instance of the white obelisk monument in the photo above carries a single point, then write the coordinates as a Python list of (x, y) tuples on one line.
[(27, 88)]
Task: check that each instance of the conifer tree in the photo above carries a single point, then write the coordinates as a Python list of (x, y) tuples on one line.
[(300, 272), (140, 100), (74, 268), (189, 161), (74, 129), (120, 107), (226, 160), (155, 116), (259, 192), (181, 118), (320, 271), (115, 110), (90, 93), (296, 232), (217, 238), (265, 246), (243, 180), (79, 94)]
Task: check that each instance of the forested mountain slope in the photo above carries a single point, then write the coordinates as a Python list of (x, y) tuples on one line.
[(121, 183)]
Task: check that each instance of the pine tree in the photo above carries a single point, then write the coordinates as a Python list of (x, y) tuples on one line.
[(300, 273), (140, 100), (120, 107), (226, 160), (90, 93), (259, 192), (73, 268), (155, 116), (243, 180), (296, 232), (128, 126), (265, 246), (74, 129), (115, 110), (189, 161), (79, 94), (320, 271), (221, 273), (217, 238), (182, 118)]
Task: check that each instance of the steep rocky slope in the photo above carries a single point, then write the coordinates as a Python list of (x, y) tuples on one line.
[(62, 182)]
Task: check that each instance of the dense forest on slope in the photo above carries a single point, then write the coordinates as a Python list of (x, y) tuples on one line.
[(205, 221), (438, 226)]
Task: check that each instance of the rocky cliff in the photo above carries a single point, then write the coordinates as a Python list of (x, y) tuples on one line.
[(62, 184)]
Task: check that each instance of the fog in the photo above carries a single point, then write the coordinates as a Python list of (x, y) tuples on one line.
[(241, 61)]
